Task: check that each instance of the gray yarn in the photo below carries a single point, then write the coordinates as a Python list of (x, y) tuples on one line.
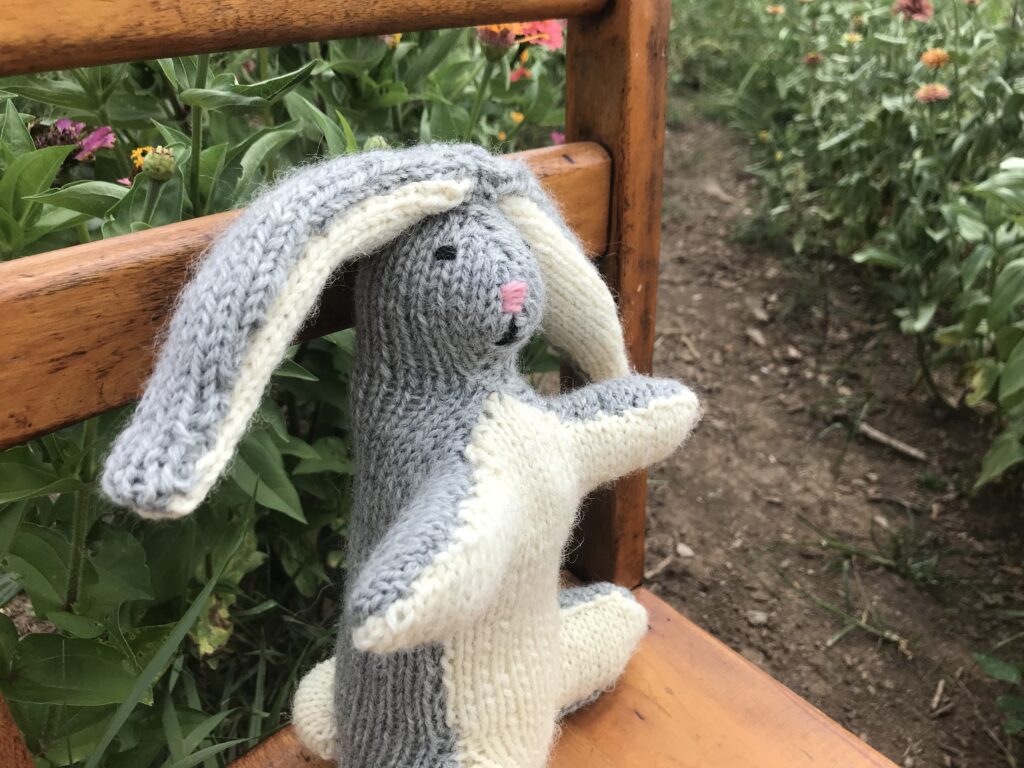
[(427, 357)]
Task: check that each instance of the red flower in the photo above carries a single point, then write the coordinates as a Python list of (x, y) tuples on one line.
[(914, 10), (519, 73)]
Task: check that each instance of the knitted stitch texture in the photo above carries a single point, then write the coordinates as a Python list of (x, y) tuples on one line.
[(456, 648)]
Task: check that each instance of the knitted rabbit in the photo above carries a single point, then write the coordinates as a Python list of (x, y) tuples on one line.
[(456, 647)]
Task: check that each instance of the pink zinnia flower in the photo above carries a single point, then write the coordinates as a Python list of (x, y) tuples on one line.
[(914, 10), (69, 126), (548, 34), (102, 138), (557, 137), (519, 73), (932, 92), (125, 181), (64, 131)]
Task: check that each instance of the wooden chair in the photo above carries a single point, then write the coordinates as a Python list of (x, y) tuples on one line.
[(77, 326)]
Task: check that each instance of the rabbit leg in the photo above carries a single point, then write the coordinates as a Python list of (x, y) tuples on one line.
[(313, 712), (601, 625), (620, 426)]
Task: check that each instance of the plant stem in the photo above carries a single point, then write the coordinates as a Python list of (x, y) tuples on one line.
[(956, 68), (478, 102), (263, 63), (152, 195), (80, 517), (83, 233), (197, 136)]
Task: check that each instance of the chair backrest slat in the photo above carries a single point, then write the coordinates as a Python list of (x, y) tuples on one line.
[(88, 32), (78, 325), (617, 81)]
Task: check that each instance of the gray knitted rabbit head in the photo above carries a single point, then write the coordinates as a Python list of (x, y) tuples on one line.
[(456, 295), (462, 255)]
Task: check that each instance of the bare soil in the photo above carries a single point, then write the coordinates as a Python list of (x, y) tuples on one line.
[(860, 577)]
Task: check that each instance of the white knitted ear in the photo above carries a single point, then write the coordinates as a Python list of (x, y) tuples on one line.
[(362, 230), (580, 317)]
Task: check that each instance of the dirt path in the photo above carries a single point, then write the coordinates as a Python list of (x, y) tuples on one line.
[(737, 520)]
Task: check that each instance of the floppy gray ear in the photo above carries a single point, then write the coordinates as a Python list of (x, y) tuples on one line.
[(250, 296), (580, 316)]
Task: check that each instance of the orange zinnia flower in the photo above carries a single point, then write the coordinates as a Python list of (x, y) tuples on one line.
[(775, 10), (935, 58), (932, 92), (813, 59)]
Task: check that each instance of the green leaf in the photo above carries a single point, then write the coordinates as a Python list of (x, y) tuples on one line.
[(29, 175), (878, 257), (8, 644), (23, 475), (978, 260), (259, 470), (202, 754), (428, 58), (997, 668), (50, 669), (233, 95), (73, 624), (39, 556), (1008, 293), (13, 131), (1006, 451), (254, 157), (180, 71), (304, 110), (59, 93), (211, 166), (94, 198), (984, 373), (289, 369), (971, 227), (332, 457), (270, 89), (917, 322), (156, 665), (1011, 382), (115, 573), (351, 145)]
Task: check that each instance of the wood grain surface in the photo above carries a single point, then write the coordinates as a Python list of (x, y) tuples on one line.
[(685, 701), (12, 749), (616, 81), (78, 327), (82, 33)]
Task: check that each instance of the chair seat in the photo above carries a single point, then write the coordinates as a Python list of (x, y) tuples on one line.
[(685, 701)]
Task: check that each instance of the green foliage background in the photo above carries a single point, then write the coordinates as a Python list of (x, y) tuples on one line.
[(928, 197), (107, 676)]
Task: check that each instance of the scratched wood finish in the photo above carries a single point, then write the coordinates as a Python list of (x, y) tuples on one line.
[(81, 33), (616, 80), (78, 326), (685, 701), (12, 750)]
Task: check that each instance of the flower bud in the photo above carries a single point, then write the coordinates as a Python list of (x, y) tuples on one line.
[(375, 142), (159, 164)]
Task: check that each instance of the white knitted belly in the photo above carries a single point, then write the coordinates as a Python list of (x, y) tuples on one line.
[(503, 678)]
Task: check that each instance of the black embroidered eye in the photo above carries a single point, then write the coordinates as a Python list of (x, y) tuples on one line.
[(445, 253)]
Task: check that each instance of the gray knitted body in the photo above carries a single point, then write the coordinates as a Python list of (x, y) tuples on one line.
[(456, 647)]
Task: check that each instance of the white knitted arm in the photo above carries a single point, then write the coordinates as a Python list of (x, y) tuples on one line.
[(614, 443)]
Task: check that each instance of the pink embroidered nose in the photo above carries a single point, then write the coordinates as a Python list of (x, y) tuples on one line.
[(513, 295)]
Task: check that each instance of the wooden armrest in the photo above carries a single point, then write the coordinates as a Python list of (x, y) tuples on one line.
[(685, 700)]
